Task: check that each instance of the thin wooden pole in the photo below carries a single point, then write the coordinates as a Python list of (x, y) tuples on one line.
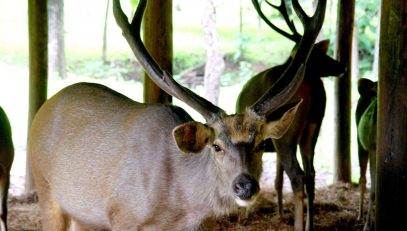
[(158, 41), (342, 171), (38, 66)]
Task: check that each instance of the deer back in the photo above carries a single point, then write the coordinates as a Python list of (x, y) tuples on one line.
[(6, 143), (6, 160), (104, 153)]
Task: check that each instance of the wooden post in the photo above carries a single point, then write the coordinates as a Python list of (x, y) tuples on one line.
[(392, 118), (38, 66), (158, 41), (343, 49)]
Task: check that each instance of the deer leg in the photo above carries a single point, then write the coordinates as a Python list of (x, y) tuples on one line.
[(278, 185), (371, 208), (76, 227), (307, 147), (363, 160), (286, 149), (53, 217), (4, 185)]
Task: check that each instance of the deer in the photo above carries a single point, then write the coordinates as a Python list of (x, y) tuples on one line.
[(6, 161), (101, 161), (366, 123), (307, 123)]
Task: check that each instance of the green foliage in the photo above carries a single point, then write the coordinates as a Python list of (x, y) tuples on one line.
[(133, 4), (119, 69), (366, 21), (14, 55), (240, 75), (185, 60), (242, 41)]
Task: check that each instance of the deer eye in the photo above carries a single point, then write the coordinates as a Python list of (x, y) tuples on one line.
[(217, 148)]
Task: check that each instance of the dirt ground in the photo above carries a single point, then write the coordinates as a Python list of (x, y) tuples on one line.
[(336, 206), (335, 209)]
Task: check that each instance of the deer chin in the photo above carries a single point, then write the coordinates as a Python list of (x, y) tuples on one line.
[(245, 203)]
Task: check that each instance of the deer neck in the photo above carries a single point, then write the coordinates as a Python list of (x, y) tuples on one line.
[(212, 191)]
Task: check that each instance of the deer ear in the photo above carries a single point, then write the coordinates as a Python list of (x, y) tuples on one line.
[(192, 137), (323, 45), (366, 85), (277, 128)]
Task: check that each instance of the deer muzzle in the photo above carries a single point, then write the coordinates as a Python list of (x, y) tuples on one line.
[(245, 188)]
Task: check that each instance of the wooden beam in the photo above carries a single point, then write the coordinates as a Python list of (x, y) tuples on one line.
[(342, 171), (158, 41), (392, 118), (38, 66)]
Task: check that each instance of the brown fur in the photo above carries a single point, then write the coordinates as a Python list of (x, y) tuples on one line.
[(105, 162), (305, 127), (366, 121), (6, 160)]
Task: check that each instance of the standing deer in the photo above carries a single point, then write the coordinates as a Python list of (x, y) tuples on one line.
[(6, 160), (366, 121), (307, 122), (101, 161)]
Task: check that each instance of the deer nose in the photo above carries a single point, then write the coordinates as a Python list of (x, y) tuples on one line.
[(245, 187)]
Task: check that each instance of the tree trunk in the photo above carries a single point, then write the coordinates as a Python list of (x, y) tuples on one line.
[(214, 60), (392, 118), (375, 69), (346, 9), (56, 43), (355, 53), (38, 67), (158, 41), (104, 46)]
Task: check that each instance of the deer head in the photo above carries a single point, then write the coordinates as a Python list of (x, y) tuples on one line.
[(235, 140)]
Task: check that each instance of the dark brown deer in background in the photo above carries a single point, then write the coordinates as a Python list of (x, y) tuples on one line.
[(306, 125), (366, 121), (6, 160), (104, 162)]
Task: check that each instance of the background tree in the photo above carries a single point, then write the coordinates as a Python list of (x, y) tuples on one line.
[(375, 68), (355, 54), (367, 24), (56, 41), (215, 64), (104, 45)]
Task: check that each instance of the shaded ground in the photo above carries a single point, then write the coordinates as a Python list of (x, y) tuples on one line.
[(335, 209), (335, 206)]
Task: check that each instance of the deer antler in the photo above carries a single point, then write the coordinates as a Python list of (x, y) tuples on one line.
[(284, 11), (163, 79), (278, 94), (293, 76)]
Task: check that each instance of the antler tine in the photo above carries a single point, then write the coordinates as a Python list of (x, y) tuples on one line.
[(286, 86), (294, 37), (285, 12), (289, 82), (312, 25), (163, 79)]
